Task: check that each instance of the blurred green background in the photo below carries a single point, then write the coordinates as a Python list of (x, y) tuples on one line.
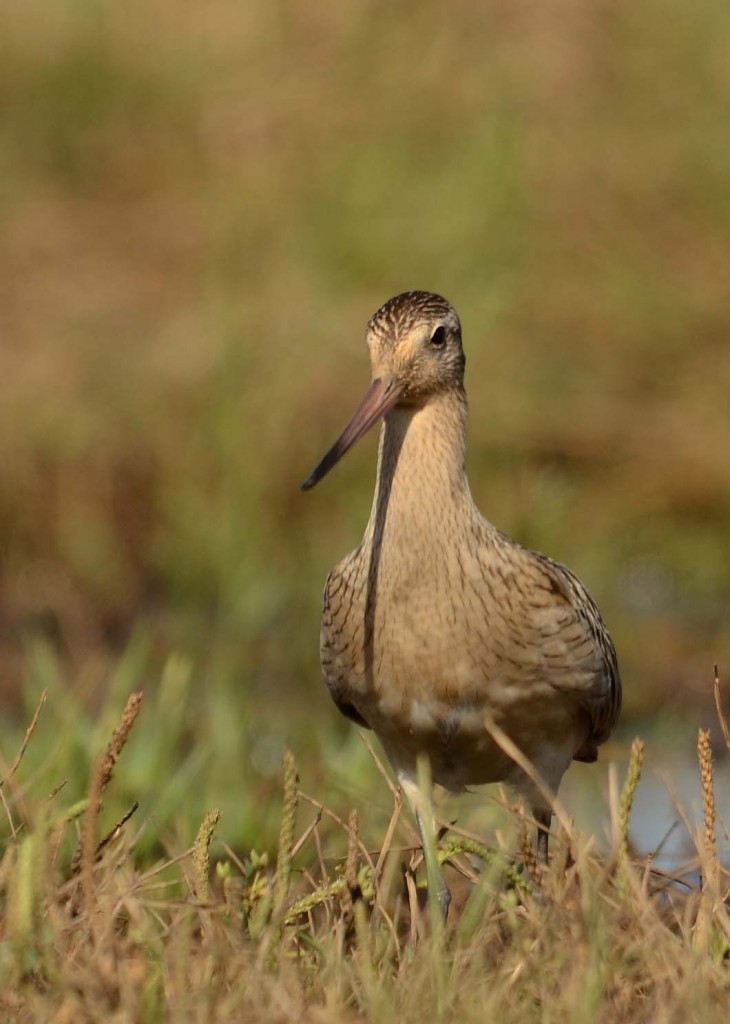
[(200, 207)]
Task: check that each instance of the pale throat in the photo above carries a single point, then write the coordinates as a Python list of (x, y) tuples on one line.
[(421, 485)]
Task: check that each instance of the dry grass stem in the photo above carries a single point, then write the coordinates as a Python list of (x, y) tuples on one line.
[(118, 740), (8, 815), (389, 833), (501, 738), (100, 777), (304, 837), (334, 817), (720, 712), (18, 799), (286, 833), (26, 739), (201, 855), (704, 753), (633, 776), (378, 762), (707, 910)]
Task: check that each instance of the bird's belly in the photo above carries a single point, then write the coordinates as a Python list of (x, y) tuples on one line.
[(458, 737), (455, 738), (450, 720), (433, 680)]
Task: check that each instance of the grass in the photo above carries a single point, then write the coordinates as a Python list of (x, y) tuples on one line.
[(93, 924)]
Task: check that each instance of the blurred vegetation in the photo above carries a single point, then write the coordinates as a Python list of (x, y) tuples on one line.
[(199, 209)]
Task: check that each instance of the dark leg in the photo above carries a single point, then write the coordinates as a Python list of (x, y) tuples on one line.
[(543, 819)]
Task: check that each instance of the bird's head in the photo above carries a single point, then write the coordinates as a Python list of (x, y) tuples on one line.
[(415, 346), (415, 354)]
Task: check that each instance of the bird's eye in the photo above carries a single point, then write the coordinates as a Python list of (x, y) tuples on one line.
[(438, 338)]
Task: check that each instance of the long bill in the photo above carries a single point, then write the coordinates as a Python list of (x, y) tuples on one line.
[(380, 399)]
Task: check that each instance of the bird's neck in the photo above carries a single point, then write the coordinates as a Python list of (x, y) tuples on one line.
[(422, 485)]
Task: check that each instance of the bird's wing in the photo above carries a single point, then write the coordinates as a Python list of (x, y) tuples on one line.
[(577, 653), (338, 643)]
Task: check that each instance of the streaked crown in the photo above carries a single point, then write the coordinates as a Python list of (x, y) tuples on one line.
[(415, 338)]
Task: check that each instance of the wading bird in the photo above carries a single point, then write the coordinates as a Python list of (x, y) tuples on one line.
[(440, 633)]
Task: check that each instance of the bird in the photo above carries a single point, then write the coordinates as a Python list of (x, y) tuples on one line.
[(439, 633)]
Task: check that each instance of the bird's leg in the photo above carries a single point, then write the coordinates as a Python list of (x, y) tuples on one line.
[(419, 798), (543, 819), (436, 884)]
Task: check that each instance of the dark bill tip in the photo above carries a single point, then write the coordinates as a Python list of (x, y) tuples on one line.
[(380, 399)]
